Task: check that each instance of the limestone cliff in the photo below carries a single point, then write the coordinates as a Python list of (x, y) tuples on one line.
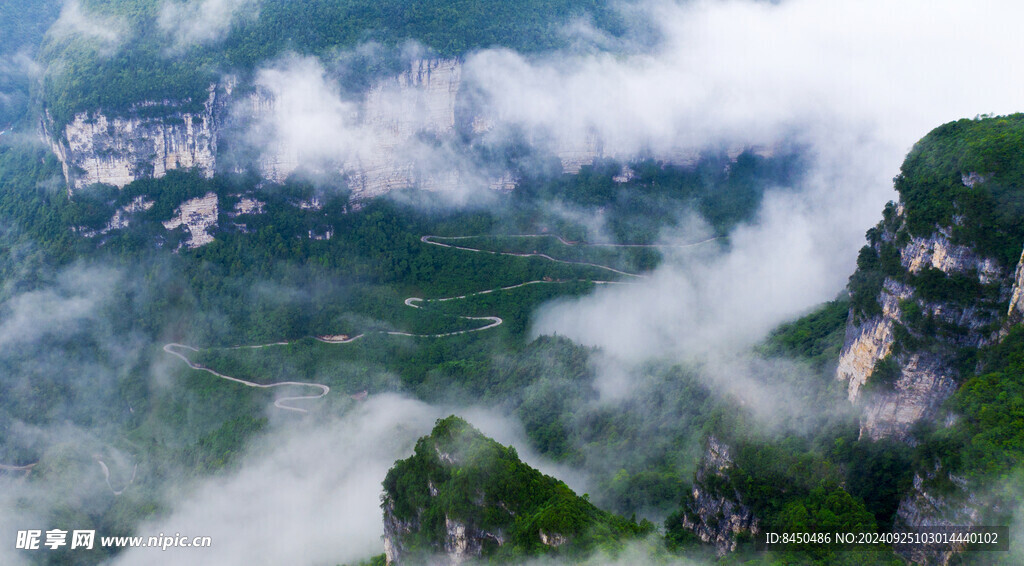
[(937, 290), (714, 512), (1015, 314), (923, 508), (915, 331), (121, 218), (394, 115), (197, 216), (414, 129), (153, 137)]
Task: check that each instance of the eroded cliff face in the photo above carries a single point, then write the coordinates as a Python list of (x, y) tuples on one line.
[(924, 354), (121, 219), (923, 508), (198, 216), (713, 513), (414, 129), (1015, 314), (866, 343), (392, 115), (462, 541), (96, 148)]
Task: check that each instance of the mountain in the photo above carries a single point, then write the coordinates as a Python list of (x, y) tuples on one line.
[(929, 362), (213, 241), (939, 277), (462, 496)]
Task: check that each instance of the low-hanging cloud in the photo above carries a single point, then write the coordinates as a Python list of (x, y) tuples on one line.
[(857, 83), (399, 133), (64, 309), (203, 21), (73, 20), (853, 84), (307, 493)]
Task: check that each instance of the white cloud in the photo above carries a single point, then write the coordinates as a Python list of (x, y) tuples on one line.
[(73, 20), (856, 82), (60, 310), (308, 493), (203, 21), (398, 134)]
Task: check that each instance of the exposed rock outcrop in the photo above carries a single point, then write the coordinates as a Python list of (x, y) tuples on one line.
[(392, 116), (151, 139), (197, 215), (927, 369), (923, 509), (866, 343), (925, 381), (414, 129), (950, 258), (714, 513), (121, 218), (248, 205), (1015, 313)]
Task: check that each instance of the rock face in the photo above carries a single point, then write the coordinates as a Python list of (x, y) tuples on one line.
[(938, 252), (924, 355), (715, 516), (866, 343), (121, 218), (923, 509), (96, 148), (392, 115), (198, 216), (1015, 313), (414, 129)]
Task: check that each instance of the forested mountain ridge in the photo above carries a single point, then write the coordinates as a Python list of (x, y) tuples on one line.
[(933, 315), (179, 271), (143, 68), (160, 88), (463, 496), (938, 279)]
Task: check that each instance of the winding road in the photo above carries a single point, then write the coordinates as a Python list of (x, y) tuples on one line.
[(430, 240), (106, 476), (26, 468), (415, 302), (280, 403)]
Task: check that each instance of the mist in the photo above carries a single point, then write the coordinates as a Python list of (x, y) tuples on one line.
[(309, 492), (203, 21), (109, 31), (856, 83)]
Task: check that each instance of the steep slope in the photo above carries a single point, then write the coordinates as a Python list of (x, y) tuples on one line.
[(146, 142), (940, 275), (713, 511), (395, 114), (933, 337), (463, 496)]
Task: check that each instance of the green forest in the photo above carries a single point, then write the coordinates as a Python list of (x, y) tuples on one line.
[(811, 472), (123, 340), (84, 76)]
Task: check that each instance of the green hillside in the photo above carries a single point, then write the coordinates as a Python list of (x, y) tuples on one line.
[(457, 474)]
